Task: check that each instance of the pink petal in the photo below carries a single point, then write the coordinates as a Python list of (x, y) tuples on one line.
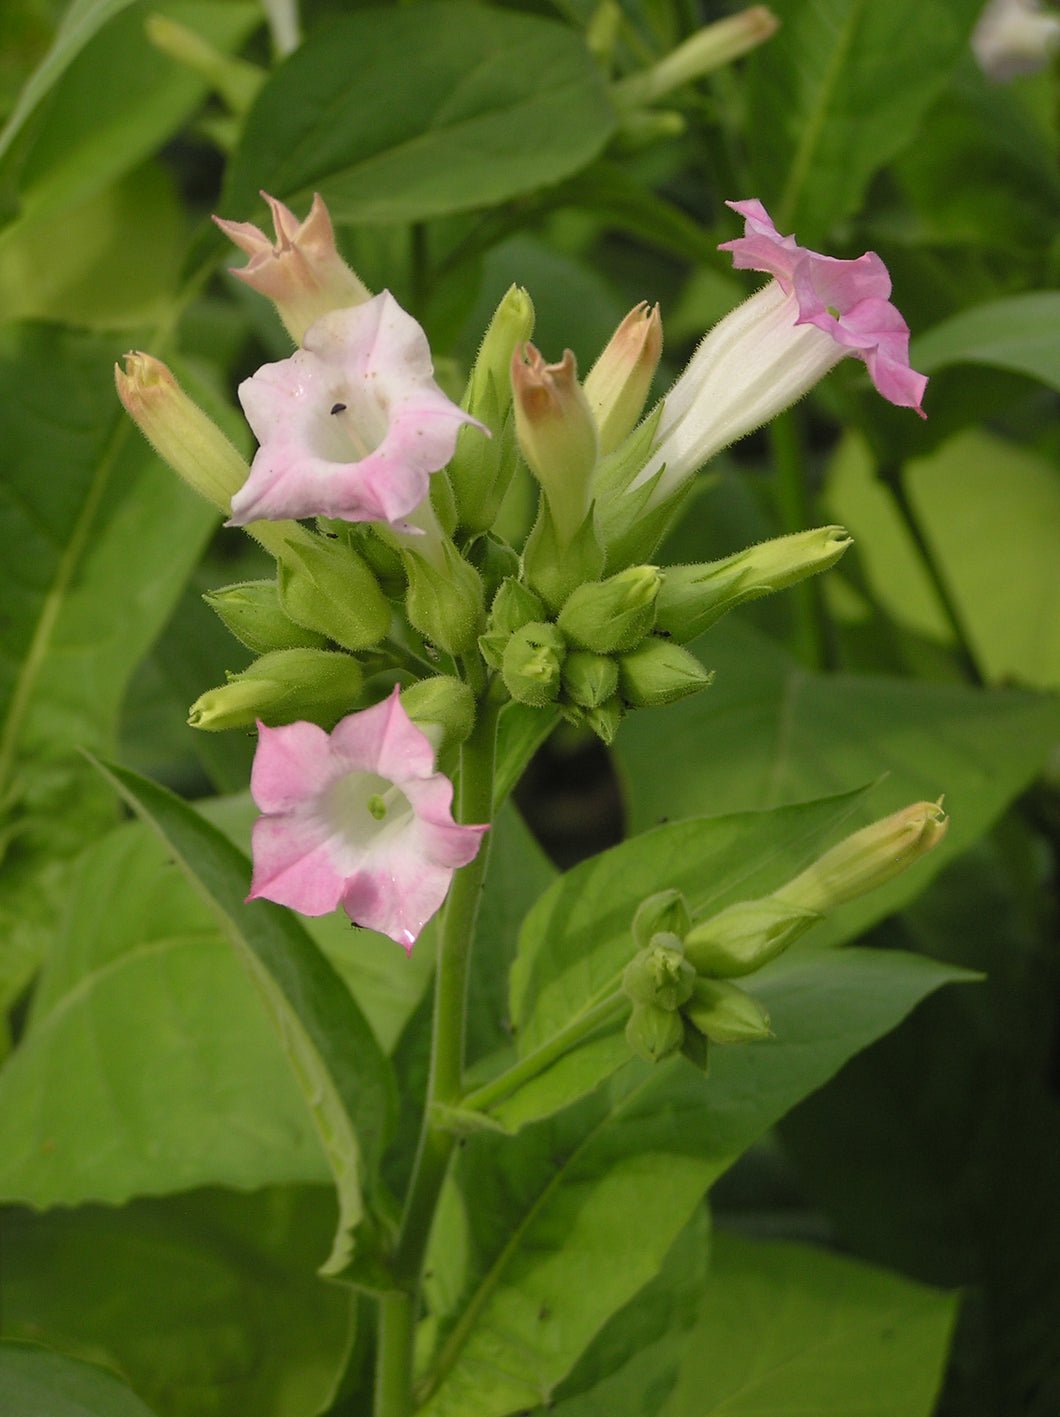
[(290, 762)]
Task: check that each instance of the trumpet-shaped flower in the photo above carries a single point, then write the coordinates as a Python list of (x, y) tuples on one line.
[(775, 346), (352, 425), (357, 817)]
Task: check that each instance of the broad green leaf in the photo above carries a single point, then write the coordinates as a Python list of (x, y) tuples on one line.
[(767, 731), (841, 88), (100, 539), (148, 1064), (541, 1237), (786, 1328), (343, 1073), (990, 512), (34, 1382), (1021, 333), (207, 1302), (402, 114)]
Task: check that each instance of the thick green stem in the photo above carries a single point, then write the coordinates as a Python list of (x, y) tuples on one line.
[(541, 1058), (456, 933), (811, 639)]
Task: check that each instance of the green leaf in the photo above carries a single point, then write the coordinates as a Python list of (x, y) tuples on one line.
[(344, 1075), (1019, 333), (402, 114), (977, 499), (148, 1064), (207, 1302), (841, 88), (768, 732), (785, 1328), (101, 538), (37, 1383), (541, 1237)]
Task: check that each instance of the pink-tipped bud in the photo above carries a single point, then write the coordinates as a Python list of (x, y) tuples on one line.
[(301, 271), (618, 383), (178, 430), (557, 433)]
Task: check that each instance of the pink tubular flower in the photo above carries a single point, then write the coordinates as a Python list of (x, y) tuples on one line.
[(774, 347), (352, 425), (357, 817)]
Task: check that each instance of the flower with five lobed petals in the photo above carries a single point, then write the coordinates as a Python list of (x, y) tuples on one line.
[(774, 347), (350, 426), (358, 817)]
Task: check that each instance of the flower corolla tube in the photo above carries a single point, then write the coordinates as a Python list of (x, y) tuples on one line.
[(775, 346), (351, 425), (359, 818)]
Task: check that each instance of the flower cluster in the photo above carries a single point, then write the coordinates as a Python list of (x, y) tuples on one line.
[(402, 568)]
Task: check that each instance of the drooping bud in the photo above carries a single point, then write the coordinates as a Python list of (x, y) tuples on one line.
[(660, 974), (320, 686), (557, 434), (654, 1033), (745, 936), (867, 859), (725, 1013), (610, 616), (659, 672), (300, 271), (533, 663), (442, 707), (589, 679), (666, 912), (251, 610), (618, 383), (328, 587), (693, 598), (179, 431)]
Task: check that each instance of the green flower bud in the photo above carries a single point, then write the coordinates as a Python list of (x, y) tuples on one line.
[(589, 679), (725, 1013), (445, 599), (533, 663), (617, 385), (746, 936), (557, 434), (654, 1033), (660, 974), (327, 587), (514, 606), (659, 672), (252, 611), (867, 859), (663, 913), (289, 684), (443, 707), (604, 719), (692, 598), (613, 615)]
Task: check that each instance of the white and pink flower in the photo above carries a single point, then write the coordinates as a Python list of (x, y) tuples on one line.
[(352, 425), (359, 818)]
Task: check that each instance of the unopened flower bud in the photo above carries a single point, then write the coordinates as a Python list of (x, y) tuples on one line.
[(613, 615), (557, 434), (692, 598), (666, 912), (660, 974), (179, 431), (659, 672), (589, 679), (533, 664), (318, 685), (745, 936), (867, 859), (654, 1033), (328, 587), (443, 707), (605, 718), (725, 1013), (251, 610), (301, 271), (617, 385), (705, 50), (514, 606), (445, 596)]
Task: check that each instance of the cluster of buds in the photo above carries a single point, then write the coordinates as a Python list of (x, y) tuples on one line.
[(393, 597), (680, 982)]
